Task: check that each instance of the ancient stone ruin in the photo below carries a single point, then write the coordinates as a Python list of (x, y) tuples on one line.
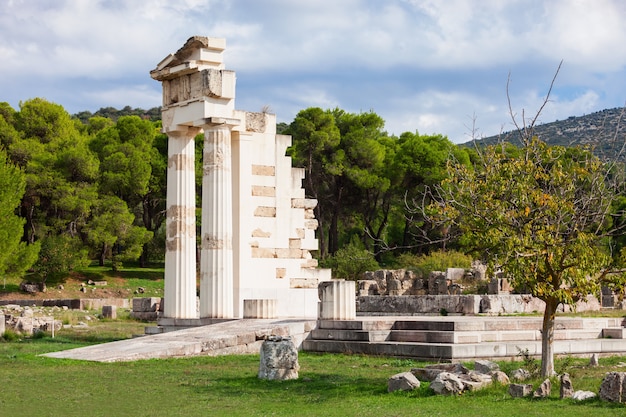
[(258, 227), (454, 291)]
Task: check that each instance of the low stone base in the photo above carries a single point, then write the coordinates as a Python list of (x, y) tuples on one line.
[(411, 305)]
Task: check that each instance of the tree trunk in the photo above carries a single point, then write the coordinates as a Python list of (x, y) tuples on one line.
[(103, 255), (547, 337)]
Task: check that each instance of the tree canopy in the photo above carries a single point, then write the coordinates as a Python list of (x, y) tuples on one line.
[(541, 214)]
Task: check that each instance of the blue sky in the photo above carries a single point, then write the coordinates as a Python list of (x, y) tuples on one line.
[(433, 66)]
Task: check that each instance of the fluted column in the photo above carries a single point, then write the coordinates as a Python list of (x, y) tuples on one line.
[(216, 257), (337, 300), (180, 243)]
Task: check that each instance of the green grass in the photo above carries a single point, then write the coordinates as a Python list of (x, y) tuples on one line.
[(329, 385)]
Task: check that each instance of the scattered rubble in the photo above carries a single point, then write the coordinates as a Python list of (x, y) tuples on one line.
[(404, 381), (567, 388), (613, 387)]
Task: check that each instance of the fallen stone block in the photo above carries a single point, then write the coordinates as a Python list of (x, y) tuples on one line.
[(543, 390), (426, 374), (485, 367), (404, 381), (109, 312), (500, 377), (520, 374), (613, 387), (583, 395), (567, 389), (447, 384), (146, 305), (279, 359), (520, 390)]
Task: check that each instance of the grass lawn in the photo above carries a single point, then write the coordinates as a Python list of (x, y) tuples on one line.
[(329, 385)]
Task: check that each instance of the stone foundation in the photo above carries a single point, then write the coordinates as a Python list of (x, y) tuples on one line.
[(411, 305)]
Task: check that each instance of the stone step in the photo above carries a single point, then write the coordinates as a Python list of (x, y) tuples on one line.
[(432, 336), (393, 349), (614, 333), (350, 335), (357, 324), (467, 323), (443, 351)]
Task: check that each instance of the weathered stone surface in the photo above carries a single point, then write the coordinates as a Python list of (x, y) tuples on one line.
[(455, 274), (447, 383), (426, 374), (500, 377), (520, 374), (583, 395), (29, 288), (593, 361), (404, 381), (430, 372), (279, 359), (613, 387), (456, 367), (567, 389), (543, 390), (145, 305), (368, 287), (485, 366), (473, 381), (109, 312), (520, 390), (437, 283)]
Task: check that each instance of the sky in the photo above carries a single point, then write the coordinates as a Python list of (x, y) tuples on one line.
[(431, 66)]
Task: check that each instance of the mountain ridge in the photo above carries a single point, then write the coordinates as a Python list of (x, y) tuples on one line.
[(604, 131)]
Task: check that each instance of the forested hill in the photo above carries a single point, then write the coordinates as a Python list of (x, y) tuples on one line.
[(112, 113), (604, 131)]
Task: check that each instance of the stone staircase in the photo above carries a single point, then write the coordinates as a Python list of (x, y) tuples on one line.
[(463, 337)]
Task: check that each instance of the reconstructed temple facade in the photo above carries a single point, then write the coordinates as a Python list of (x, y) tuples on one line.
[(257, 226)]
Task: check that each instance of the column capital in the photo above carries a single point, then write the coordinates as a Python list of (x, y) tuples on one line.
[(209, 122), (180, 131)]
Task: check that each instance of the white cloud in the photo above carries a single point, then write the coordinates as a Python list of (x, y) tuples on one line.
[(424, 65)]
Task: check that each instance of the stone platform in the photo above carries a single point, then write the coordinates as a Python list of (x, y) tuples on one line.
[(465, 337), (434, 338), (225, 338)]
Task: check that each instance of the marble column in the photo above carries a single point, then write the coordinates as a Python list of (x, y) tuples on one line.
[(337, 300), (180, 243), (216, 256)]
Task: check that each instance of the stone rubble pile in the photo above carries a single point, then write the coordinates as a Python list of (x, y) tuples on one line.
[(455, 378), (29, 320), (407, 282)]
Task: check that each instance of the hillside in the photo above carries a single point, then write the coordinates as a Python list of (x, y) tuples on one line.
[(604, 131)]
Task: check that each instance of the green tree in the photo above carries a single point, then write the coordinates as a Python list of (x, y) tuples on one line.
[(358, 171), (59, 255), (15, 256), (111, 229), (540, 214), (133, 170), (60, 170), (315, 139)]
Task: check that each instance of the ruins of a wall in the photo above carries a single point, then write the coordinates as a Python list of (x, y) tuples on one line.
[(402, 292)]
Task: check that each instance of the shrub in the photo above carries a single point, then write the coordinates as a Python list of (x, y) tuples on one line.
[(10, 335), (350, 262), (435, 261), (59, 255)]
